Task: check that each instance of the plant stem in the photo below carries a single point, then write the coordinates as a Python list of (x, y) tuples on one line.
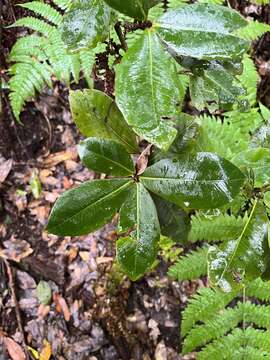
[(120, 35)]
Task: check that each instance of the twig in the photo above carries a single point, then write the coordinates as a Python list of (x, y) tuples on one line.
[(16, 304), (120, 35)]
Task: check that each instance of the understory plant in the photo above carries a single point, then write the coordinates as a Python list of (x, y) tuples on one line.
[(184, 144)]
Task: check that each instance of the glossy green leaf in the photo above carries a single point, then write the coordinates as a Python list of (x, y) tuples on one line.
[(86, 23), (137, 251), (214, 87), (88, 207), (148, 91), (96, 115), (201, 181), (174, 221), (203, 31), (259, 161), (106, 156), (244, 258), (138, 9)]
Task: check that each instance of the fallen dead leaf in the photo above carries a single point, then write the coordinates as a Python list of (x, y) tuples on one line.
[(43, 311), (15, 249), (5, 167), (142, 161), (46, 351), (14, 349), (104, 260), (61, 306), (41, 213), (67, 183), (161, 351), (56, 158)]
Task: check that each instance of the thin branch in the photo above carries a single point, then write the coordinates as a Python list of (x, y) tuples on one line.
[(11, 285), (120, 35)]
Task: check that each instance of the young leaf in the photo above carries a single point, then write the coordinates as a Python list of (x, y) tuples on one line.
[(147, 90), (96, 115), (106, 156), (242, 259), (174, 222), (137, 252), (138, 9), (203, 31), (258, 160), (86, 23), (87, 207), (202, 181)]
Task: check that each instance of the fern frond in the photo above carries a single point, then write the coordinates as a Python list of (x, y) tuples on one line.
[(28, 77), (249, 79), (87, 59), (211, 320), (190, 266), (215, 228), (204, 305), (253, 30), (259, 289), (46, 53), (44, 10), (213, 328), (256, 314), (240, 344), (35, 24), (63, 4), (222, 138), (247, 122), (261, 2), (25, 45)]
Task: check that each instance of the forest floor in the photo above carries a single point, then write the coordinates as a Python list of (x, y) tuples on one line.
[(94, 312)]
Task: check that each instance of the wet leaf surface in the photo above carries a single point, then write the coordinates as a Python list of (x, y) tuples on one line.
[(138, 9), (96, 115), (137, 251), (88, 207), (203, 31), (203, 181), (106, 156), (242, 259), (148, 70), (85, 24), (258, 161)]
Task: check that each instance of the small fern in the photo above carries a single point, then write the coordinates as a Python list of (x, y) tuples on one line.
[(38, 57), (249, 79), (215, 228), (191, 266), (223, 138), (253, 30), (211, 320)]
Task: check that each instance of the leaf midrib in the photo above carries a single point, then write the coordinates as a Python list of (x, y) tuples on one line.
[(198, 31), (96, 202), (187, 180), (129, 171)]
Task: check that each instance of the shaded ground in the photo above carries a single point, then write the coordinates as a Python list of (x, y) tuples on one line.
[(95, 313)]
